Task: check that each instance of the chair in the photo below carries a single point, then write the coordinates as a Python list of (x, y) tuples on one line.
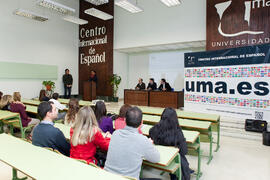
[(82, 160), (48, 148), (131, 178), (58, 152)]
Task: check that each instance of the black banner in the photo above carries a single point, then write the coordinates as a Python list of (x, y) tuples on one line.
[(236, 56)]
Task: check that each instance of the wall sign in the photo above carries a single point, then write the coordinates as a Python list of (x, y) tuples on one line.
[(237, 23), (96, 48)]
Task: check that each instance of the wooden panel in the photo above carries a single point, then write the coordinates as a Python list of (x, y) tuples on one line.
[(135, 97), (89, 91), (165, 99), (238, 16), (12, 70), (96, 29)]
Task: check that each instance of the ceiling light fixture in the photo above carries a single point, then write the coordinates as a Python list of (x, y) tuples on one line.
[(99, 14), (30, 15), (98, 2), (129, 5), (171, 3), (60, 8), (75, 20)]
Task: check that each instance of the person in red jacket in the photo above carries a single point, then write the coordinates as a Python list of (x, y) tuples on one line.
[(86, 136), (120, 122)]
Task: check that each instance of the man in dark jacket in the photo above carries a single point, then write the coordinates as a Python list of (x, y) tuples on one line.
[(67, 80), (152, 85), (140, 85), (45, 134), (164, 86)]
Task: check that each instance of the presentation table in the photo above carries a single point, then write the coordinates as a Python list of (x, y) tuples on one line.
[(136, 97), (193, 140), (213, 118), (42, 164)]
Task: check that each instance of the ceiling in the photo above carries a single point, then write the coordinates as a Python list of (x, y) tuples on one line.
[(165, 47)]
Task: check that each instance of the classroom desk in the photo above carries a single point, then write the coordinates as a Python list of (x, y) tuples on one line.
[(31, 109), (193, 140), (30, 102), (204, 127), (136, 97), (42, 164), (6, 116), (64, 128), (213, 118)]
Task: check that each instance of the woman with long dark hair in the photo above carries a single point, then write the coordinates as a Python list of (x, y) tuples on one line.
[(168, 133), (104, 121)]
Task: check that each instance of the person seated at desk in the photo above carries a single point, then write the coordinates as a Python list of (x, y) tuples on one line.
[(42, 96), (1, 94), (104, 121), (93, 76), (140, 85), (128, 148), (164, 86), (120, 122), (86, 136), (45, 134), (168, 133), (18, 107), (58, 105), (73, 108), (5, 102), (152, 85)]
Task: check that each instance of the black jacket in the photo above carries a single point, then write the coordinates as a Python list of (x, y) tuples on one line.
[(167, 86), (152, 86), (67, 79), (46, 135), (140, 86)]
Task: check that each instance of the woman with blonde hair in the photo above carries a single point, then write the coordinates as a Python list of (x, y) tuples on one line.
[(5, 102), (18, 107), (73, 108), (86, 136)]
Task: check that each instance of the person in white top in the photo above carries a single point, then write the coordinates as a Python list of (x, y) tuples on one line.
[(58, 105)]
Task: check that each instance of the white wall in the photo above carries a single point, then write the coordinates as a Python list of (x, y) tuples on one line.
[(53, 42), (158, 24)]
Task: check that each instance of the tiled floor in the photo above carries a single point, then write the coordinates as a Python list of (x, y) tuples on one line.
[(237, 159)]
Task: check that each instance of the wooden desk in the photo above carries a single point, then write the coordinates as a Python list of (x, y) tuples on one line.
[(31, 102), (166, 99), (136, 97), (42, 164)]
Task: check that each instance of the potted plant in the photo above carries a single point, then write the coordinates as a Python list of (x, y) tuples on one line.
[(50, 85), (115, 80)]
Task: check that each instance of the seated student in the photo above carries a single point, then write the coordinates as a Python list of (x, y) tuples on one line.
[(120, 122), (140, 85), (86, 136), (164, 86), (168, 133), (128, 148), (73, 108), (152, 85), (42, 96), (19, 107), (5, 102), (58, 105), (1, 94), (104, 122), (45, 134)]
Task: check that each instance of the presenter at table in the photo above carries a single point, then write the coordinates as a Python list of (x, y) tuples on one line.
[(93, 76), (152, 85), (140, 85), (164, 86)]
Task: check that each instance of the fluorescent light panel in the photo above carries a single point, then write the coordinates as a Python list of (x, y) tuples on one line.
[(60, 8), (171, 2), (75, 20), (98, 2), (30, 15), (129, 5), (99, 14)]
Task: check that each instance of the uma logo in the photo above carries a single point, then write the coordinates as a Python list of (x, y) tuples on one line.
[(221, 7)]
